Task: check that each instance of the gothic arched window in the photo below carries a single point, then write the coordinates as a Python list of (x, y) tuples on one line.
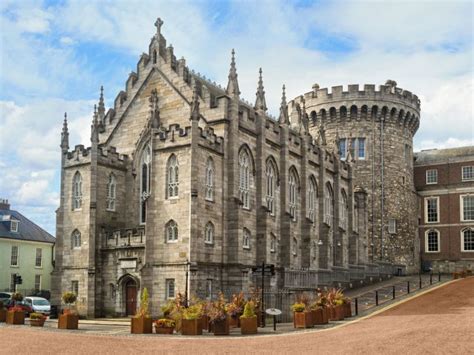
[(145, 177), (246, 239), (312, 200), (293, 194), (271, 177), (75, 239), (209, 233), (171, 232), (111, 192), (77, 191), (343, 210), (328, 205), (244, 178), (173, 176), (210, 180)]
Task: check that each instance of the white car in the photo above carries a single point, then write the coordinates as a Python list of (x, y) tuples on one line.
[(38, 304)]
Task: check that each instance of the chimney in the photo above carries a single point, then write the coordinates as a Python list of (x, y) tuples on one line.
[(4, 205)]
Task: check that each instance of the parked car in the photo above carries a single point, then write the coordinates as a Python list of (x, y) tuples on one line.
[(5, 296), (38, 304), (25, 306), (42, 293)]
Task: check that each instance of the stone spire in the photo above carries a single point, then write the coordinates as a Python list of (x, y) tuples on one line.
[(195, 105), (101, 106), (233, 84), (95, 127), (260, 103), (65, 135), (283, 119)]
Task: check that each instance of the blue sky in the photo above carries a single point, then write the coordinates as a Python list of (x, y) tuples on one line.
[(55, 55)]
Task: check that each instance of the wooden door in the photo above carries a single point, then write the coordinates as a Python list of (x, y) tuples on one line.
[(131, 298)]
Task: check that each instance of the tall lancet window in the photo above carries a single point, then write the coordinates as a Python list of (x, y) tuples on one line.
[(77, 191), (312, 200), (343, 211), (271, 183), (145, 175), (328, 205), (244, 178), (173, 176), (111, 192), (293, 194), (210, 180)]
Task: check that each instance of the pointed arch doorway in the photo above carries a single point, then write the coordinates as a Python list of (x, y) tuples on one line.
[(130, 297)]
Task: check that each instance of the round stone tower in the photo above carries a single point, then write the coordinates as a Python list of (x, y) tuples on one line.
[(374, 129)]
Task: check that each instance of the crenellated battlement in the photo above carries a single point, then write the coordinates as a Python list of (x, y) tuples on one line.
[(173, 131), (110, 155)]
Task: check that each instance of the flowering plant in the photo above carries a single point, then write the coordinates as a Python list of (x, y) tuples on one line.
[(298, 307), (69, 297), (321, 301), (165, 323), (236, 306), (335, 297), (192, 312), (37, 316), (16, 309), (217, 310)]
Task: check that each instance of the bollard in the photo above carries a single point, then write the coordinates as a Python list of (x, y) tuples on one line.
[(420, 283), (408, 286), (439, 276), (376, 297), (357, 306), (431, 278), (393, 292)]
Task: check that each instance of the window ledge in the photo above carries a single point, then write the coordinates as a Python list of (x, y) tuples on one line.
[(209, 200), (211, 244), (246, 248), (171, 241), (15, 266)]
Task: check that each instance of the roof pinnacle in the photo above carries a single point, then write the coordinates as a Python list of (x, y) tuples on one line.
[(260, 103), (65, 135), (283, 119), (233, 84)]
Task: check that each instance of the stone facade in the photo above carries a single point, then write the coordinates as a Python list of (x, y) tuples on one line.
[(444, 179), (183, 175), (374, 130)]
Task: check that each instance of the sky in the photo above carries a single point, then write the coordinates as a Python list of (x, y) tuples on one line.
[(55, 55)]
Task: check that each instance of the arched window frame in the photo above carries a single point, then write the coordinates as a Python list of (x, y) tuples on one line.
[(328, 205), (467, 240), (210, 179), (76, 239), (111, 192), (271, 180), (145, 183), (293, 187), (209, 233), (77, 191), (343, 210), (294, 247), (244, 178), (312, 200), (429, 234), (172, 169), (355, 220), (273, 243), (171, 230), (246, 239)]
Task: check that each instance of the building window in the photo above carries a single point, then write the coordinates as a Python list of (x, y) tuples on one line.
[(170, 288), (432, 176), (392, 226), (111, 192), (295, 247), (361, 149), (342, 148), (145, 175), (271, 183), (210, 180), (293, 194), (75, 239), (75, 287), (432, 241), (467, 242), (356, 146), (273, 242), (14, 226), (467, 208), (171, 232), (467, 173), (431, 209), (77, 191), (39, 257), (209, 233), (209, 289), (37, 282), (246, 239), (173, 176), (14, 258), (328, 206), (343, 210), (244, 178), (312, 200), (355, 221)]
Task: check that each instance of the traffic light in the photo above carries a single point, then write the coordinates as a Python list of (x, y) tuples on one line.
[(18, 280)]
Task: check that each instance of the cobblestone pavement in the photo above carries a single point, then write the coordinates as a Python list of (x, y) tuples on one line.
[(437, 322)]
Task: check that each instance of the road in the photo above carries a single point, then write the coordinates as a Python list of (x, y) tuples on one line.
[(440, 321)]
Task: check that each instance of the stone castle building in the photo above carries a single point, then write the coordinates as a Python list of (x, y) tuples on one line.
[(187, 187)]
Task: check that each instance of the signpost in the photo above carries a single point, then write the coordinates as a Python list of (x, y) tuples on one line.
[(268, 270), (273, 312)]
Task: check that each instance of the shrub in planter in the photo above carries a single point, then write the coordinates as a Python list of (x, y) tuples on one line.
[(69, 319), (191, 322), (320, 308), (164, 326), (3, 313), (15, 315), (456, 275), (301, 316), (248, 320), (347, 307), (235, 308), (141, 322), (256, 298), (218, 318), (37, 319)]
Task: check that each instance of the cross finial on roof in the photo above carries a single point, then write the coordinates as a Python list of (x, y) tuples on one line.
[(158, 24)]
